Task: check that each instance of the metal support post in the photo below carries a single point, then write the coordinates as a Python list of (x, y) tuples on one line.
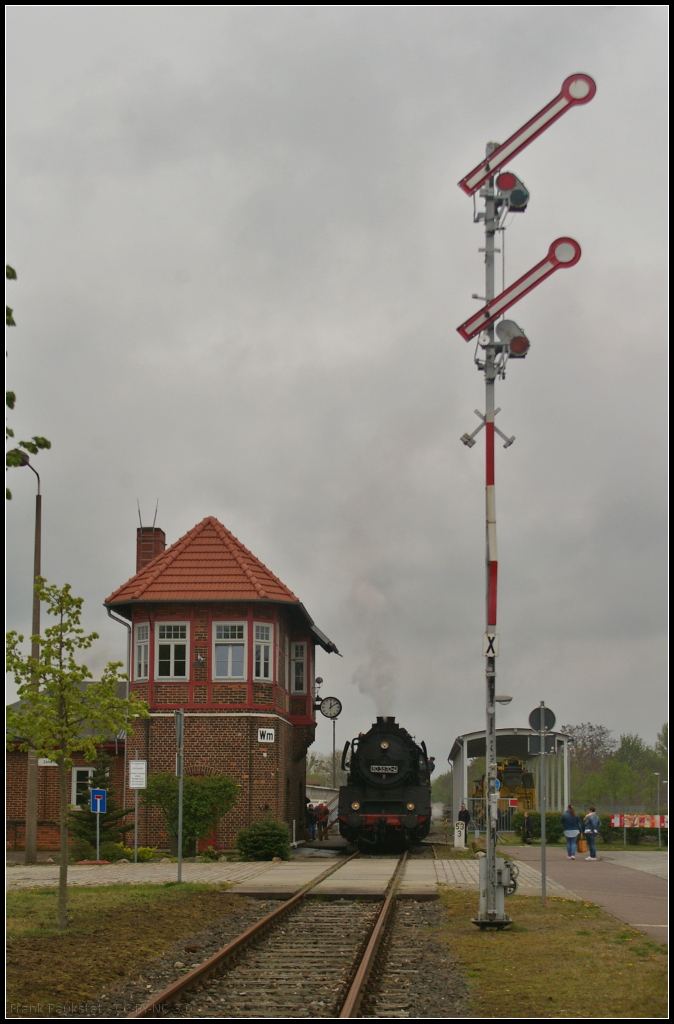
[(334, 763), (490, 373), (180, 745), (135, 822), (544, 797), (32, 766)]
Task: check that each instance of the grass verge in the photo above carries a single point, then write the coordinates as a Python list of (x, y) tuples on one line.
[(568, 959), (113, 931)]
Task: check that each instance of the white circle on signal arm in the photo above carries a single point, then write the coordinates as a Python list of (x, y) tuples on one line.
[(579, 89), (565, 252)]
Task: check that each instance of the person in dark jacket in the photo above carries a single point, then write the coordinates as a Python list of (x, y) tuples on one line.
[(591, 826), (528, 829), (312, 821), (464, 815), (571, 828)]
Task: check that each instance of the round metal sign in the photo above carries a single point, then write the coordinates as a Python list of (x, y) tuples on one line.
[(548, 719)]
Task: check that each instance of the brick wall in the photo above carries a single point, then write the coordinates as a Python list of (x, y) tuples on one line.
[(48, 798), (271, 776)]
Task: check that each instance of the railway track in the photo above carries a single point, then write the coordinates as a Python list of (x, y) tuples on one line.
[(307, 958)]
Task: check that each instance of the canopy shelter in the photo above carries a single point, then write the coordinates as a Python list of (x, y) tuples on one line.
[(512, 743)]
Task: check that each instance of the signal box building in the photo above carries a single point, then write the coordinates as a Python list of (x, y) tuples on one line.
[(215, 633)]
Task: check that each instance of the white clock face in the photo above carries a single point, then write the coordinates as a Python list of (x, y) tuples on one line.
[(330, 707)]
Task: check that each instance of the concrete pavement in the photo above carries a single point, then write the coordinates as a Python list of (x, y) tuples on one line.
[(46, 876), (633, 891)]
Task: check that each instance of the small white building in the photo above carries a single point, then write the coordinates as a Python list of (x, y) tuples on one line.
[(513, 743)]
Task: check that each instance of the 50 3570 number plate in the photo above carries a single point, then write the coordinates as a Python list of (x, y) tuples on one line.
[(384, 769)]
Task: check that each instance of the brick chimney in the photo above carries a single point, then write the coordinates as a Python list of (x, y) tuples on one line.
[(150, 542)]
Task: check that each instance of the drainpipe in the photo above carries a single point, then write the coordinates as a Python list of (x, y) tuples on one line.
[(128, 686)]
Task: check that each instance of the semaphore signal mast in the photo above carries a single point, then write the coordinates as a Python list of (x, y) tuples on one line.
[(497, 342)]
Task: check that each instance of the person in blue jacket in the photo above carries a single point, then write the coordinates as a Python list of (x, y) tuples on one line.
[(571, 827), (591, 826)]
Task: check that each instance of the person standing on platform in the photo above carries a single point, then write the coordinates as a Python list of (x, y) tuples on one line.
[(591, 826), (312, 819), (322, 813), (528, 829), (464, 815), (571, 828)]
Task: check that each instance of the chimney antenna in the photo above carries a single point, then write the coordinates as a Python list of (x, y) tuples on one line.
[(139, 515), (155, 514)]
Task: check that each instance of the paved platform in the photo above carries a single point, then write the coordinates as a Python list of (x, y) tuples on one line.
[(636, 895), (652, 862), (362, 878), (281, 881), (46, 876)]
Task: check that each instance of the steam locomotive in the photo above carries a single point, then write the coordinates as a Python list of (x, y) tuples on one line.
[(386, 803)]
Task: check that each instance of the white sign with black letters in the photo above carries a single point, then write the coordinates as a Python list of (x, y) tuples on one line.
[(266, 735), (137, 774)]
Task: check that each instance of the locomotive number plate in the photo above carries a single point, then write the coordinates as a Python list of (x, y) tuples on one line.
[(384, 769)]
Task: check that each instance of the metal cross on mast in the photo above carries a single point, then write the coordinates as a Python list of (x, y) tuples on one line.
[(497, 343)]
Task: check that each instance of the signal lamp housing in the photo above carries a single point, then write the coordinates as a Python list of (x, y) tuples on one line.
[(355, 806), (513, 339), (513, 191)]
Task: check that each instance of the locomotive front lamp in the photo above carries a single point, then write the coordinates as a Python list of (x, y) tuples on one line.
[(384, 745), (410, 807), (502, 699), (355, 806)]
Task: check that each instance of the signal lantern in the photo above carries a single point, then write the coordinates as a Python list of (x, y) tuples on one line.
[(513, 191), (513, 339)]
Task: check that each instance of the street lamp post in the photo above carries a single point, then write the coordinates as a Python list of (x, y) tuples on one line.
[(657, 776), (31, 768)]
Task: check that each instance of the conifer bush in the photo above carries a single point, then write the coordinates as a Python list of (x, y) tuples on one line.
[(264, 840)]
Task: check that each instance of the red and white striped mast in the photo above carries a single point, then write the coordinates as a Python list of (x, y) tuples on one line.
[(496, 344)]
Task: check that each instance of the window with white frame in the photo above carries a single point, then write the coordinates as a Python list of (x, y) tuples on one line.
[(298, 668), (171, 658), (79, 794), (142, 650), (229, 661), (263, 665)]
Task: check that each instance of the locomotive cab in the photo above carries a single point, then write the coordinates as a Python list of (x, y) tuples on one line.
[(386, 803)]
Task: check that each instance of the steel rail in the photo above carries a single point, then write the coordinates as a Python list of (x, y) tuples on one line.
[(201, 972), (357, 991)]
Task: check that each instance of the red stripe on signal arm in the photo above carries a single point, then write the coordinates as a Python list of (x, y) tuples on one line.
[(491, 603), (489, 429)]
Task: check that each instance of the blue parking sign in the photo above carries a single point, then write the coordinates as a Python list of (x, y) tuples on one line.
[(98, 800)]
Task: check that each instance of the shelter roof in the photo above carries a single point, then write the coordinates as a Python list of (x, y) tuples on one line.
[(512, 742)]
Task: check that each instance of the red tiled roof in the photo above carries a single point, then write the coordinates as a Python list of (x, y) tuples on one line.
[(207, 564)]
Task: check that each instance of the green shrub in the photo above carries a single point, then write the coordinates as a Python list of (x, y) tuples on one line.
[(210, 853), (112, 851), (145, 853), (206, 799), (553, 825), (264, 840), (81, 849)]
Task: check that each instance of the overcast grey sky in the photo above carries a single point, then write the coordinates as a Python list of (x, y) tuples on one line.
[(242, 257)]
